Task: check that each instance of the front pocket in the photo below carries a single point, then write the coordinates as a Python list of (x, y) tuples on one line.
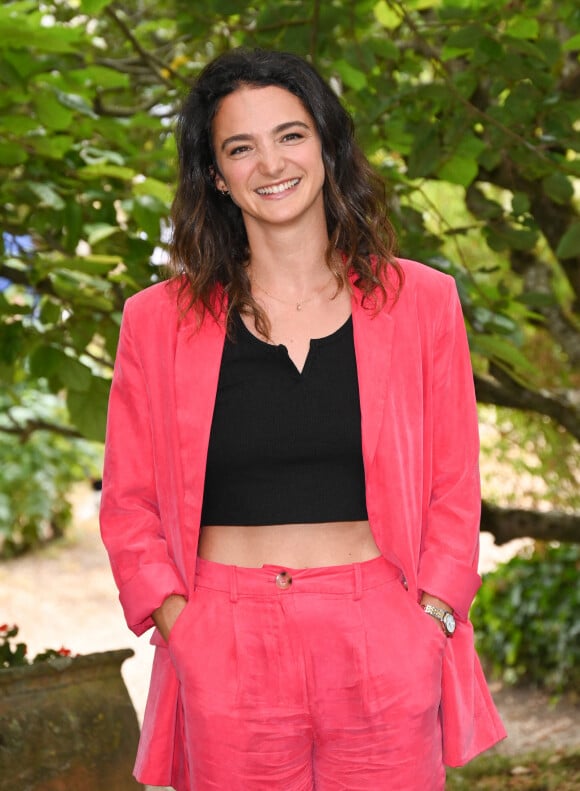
[(405, 655), (427, 626), (180, 622), (434, 623)]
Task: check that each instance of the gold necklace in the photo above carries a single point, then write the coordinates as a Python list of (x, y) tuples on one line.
[(301, 302)]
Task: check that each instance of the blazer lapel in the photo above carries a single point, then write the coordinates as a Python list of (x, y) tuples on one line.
[(197, 364), (373, 339)]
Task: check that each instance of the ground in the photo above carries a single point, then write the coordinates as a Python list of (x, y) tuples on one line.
[(64, 596)]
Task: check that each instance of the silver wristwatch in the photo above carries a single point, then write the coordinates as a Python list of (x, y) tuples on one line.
[(446, 618)]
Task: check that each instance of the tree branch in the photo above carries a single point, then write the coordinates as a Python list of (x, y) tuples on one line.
[(506, 524), (564, 409), (156, 66), (314, 31), (25, 430), (116, 111)]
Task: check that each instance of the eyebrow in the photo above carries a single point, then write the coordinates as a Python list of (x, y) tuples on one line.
[(277, 129)]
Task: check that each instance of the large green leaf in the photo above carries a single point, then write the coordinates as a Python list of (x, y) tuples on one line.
[(12, 154), (104, 170), (523, 27), (76, 102), (96, 232), (387, 16), (54, 147), (426, 153), (94, 6), (47, 195), (93, 264), (88, 409), (503, 351), (154, 188), (462, 166), (569, 246), (573, 43), (559, 187), (351, 76), (25, 31), (52, 113)]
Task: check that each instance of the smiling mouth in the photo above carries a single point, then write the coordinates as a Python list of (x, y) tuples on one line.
[(277, 188)]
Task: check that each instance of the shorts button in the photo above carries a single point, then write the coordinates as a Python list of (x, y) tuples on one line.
[(283, 580)]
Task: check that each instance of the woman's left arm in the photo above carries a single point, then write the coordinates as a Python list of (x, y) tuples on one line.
[(450, 538)]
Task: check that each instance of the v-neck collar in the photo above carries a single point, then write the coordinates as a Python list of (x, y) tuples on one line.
[(280, 348)]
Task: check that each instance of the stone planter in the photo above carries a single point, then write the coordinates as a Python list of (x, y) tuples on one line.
[(68, 724)]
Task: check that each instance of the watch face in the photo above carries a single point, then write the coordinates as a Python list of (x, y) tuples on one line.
[(449, 622)]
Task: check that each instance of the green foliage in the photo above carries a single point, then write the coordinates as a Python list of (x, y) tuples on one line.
[(469, 110), (14, 654), (11, 654), (527, 619), (37, 473)]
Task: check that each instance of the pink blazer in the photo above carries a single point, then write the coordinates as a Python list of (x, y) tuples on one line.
[(420, 448)]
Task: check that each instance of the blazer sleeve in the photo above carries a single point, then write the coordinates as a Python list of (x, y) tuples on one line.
[(131, 527), (450, 536)]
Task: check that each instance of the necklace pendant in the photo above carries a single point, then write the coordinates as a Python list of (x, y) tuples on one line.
[(299, 306)]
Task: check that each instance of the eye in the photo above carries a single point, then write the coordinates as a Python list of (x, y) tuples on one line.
[(237, 150), (292, 137)]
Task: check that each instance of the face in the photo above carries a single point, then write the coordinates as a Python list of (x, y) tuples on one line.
[(269, 157)]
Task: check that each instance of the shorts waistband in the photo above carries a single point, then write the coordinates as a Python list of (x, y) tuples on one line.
[(272, 580)]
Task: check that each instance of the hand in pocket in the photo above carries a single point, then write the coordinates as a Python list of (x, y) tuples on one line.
[(166, 616)]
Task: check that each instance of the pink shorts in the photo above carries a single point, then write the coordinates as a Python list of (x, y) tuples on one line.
[(325, 678)]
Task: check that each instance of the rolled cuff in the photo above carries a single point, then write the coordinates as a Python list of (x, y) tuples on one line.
[(448, 579), (147, 591)]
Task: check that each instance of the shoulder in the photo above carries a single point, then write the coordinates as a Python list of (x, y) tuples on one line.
[(158, 298), (161, 307), (430, 290), (163, 310), (428, 299), (152, 316), (421, 278)]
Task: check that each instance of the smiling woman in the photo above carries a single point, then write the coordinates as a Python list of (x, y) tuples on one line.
[(271, 167), (291, 492)]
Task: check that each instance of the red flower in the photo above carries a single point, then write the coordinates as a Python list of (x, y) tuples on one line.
[(63, 651)]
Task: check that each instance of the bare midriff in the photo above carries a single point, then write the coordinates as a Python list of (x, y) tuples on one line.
[(288, 545)]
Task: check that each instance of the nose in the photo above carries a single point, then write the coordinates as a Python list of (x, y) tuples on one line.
[(271, 160)]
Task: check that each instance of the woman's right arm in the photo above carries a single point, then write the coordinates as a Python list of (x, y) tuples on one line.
[(131, 526)]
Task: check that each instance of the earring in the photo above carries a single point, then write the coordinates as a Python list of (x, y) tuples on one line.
[(225, 192)]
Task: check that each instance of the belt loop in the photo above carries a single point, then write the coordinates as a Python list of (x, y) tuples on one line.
[(233, 584), (357, 582)]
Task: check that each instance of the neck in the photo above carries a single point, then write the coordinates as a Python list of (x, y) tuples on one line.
[(292, 256), (294, 266)]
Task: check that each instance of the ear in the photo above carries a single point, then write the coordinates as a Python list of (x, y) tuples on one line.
[(218, 180)]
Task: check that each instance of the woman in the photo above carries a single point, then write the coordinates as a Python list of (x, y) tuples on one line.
[(291, 492)]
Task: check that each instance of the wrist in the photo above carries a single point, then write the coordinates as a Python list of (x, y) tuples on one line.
[(428, 598), (443, 616)]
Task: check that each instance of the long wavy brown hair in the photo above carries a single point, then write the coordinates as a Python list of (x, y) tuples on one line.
[(209, 248)]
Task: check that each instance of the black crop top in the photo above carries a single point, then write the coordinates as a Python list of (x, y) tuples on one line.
[(285, 446)]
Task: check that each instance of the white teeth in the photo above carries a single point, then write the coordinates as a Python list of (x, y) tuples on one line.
[(286, 185)]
